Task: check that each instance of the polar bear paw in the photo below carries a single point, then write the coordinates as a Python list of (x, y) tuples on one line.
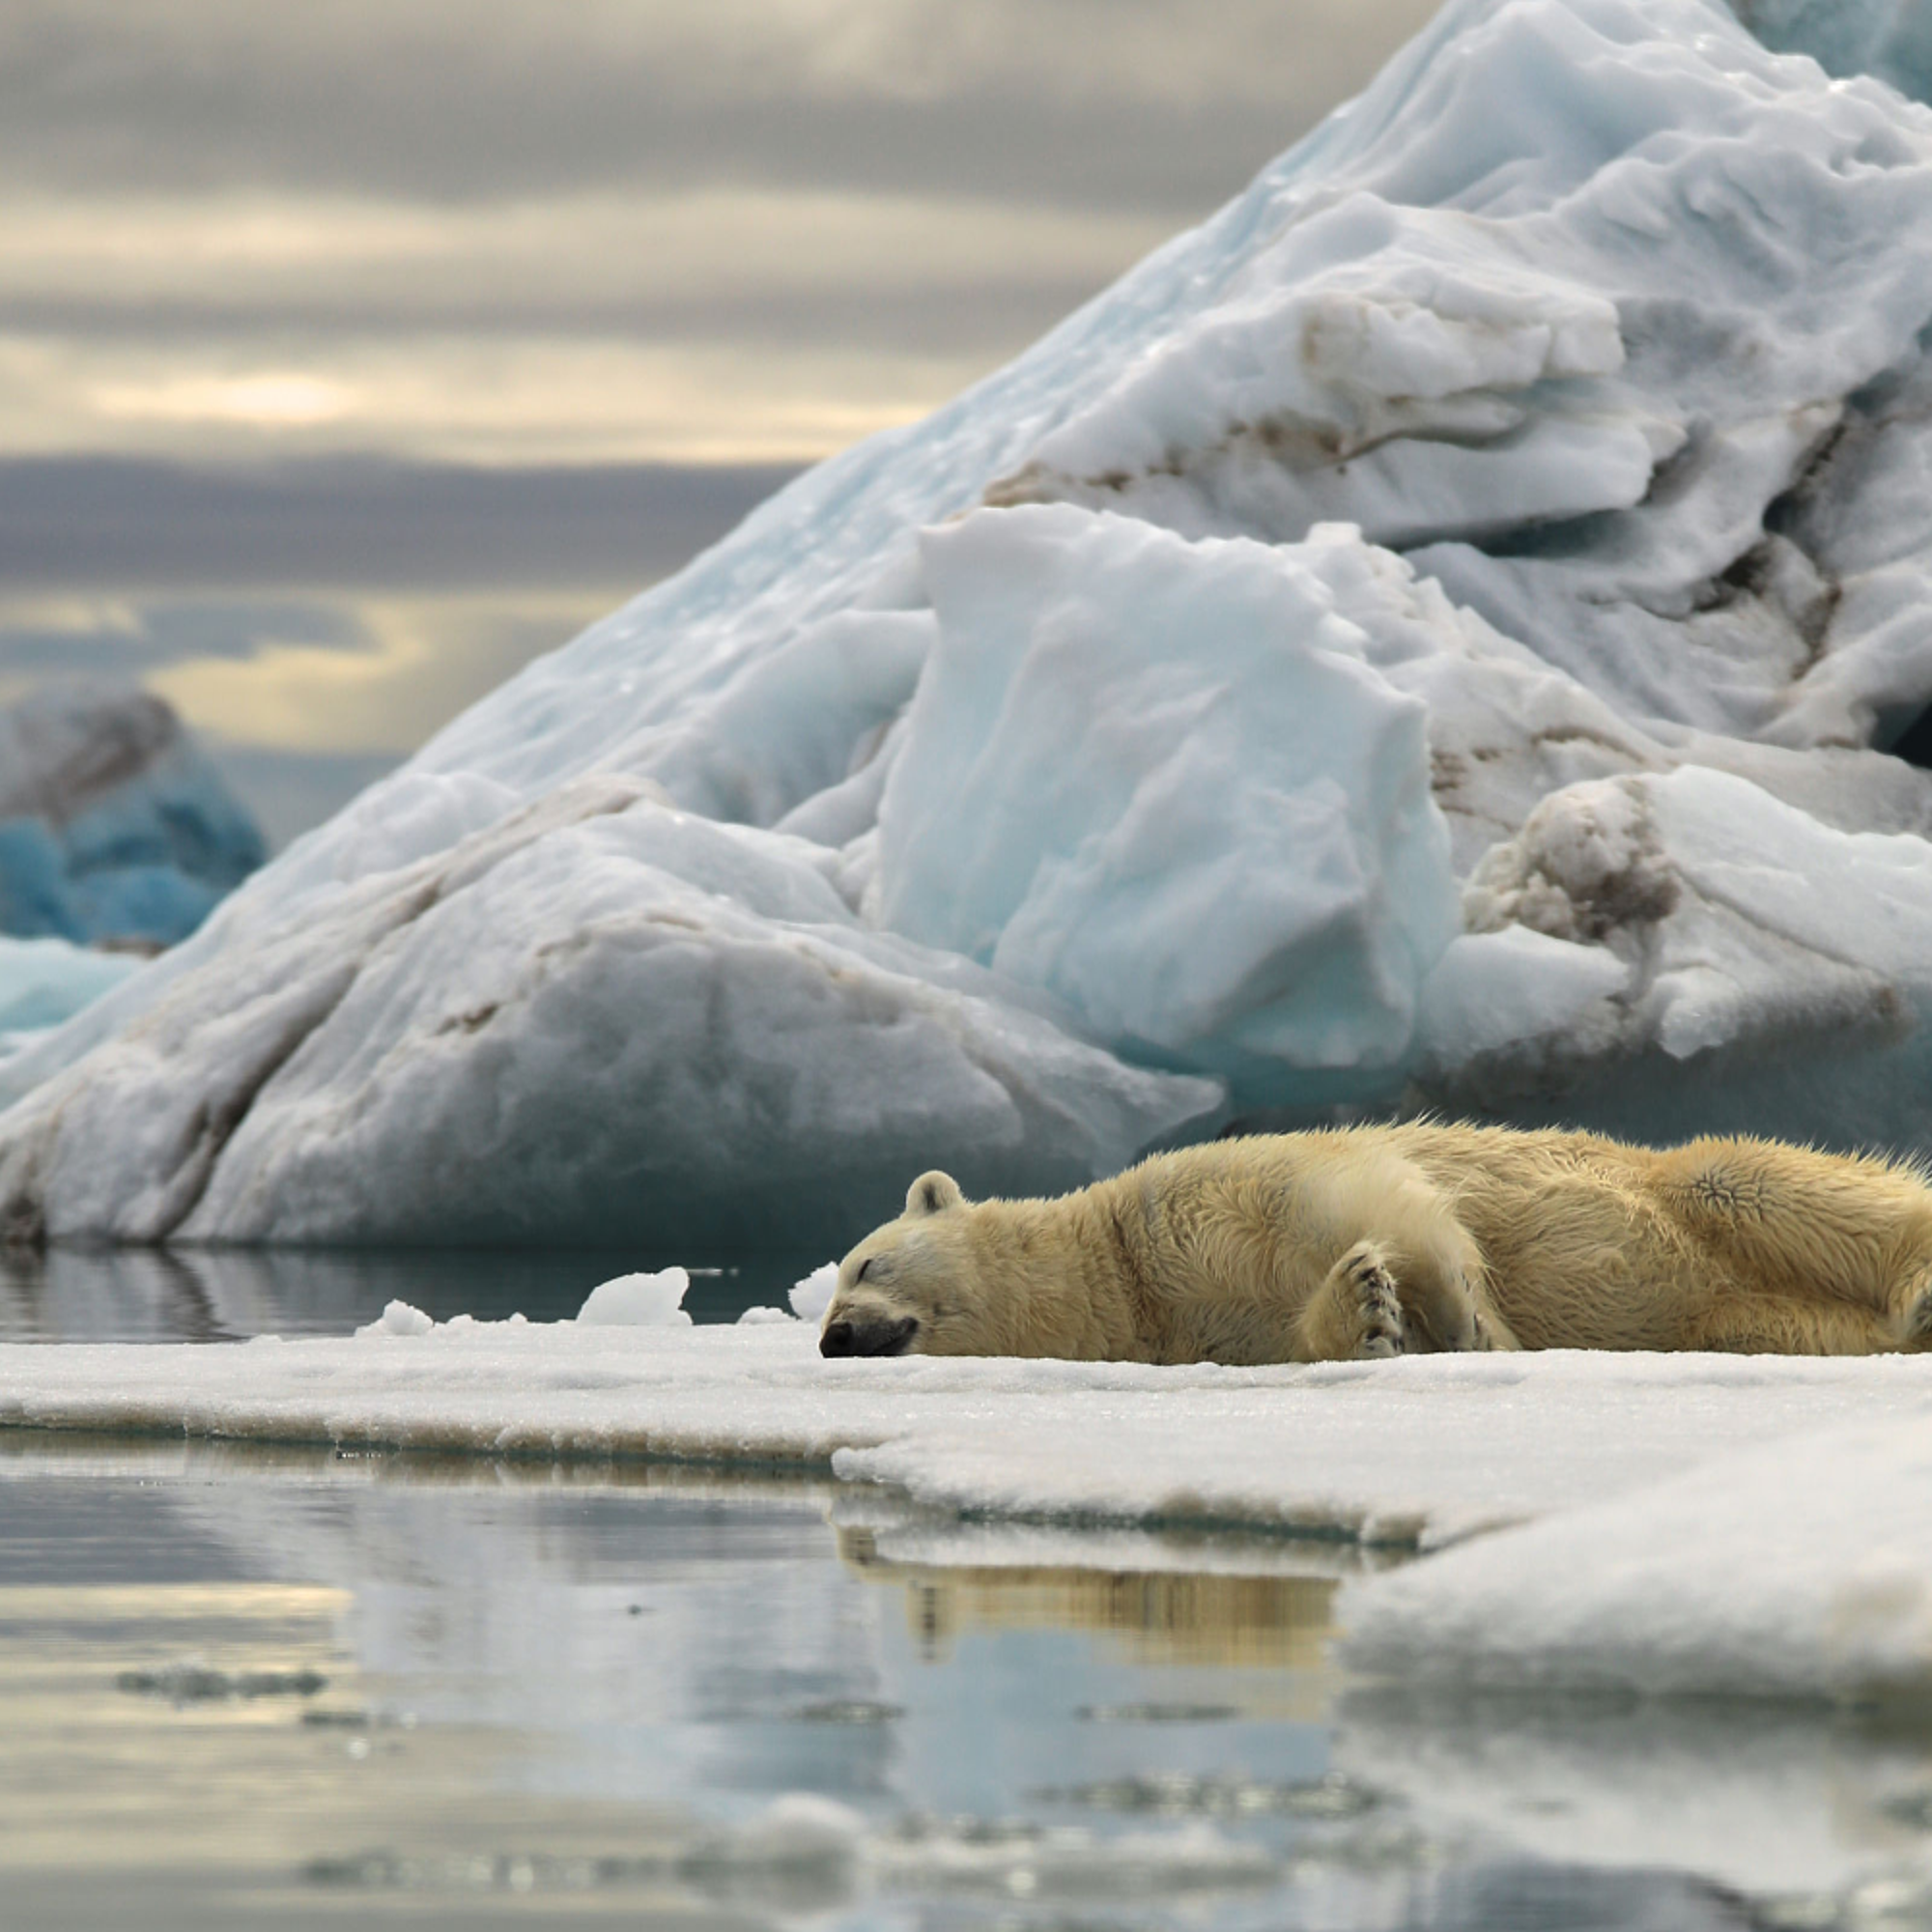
[(1378, 1305)]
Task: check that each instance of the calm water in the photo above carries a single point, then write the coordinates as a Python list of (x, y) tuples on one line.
[(251, 1690), (217, 1294)]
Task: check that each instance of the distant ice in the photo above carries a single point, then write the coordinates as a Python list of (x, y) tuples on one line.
[(398, 1317), (115, 825), (43, 981)]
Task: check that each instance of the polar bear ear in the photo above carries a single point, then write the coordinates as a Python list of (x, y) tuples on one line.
[(932, 1194)]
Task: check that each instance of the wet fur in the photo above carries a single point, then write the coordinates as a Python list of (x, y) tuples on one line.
[(1363, 1242)]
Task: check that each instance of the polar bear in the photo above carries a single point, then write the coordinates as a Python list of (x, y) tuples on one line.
[(1424, 1236)]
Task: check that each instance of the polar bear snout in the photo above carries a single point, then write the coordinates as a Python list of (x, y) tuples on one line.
[(868, 1335)]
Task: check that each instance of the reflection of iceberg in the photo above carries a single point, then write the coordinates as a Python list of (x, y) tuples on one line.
[(659, 1655), (1529, 464), (688, 1634), (1763, 1800)]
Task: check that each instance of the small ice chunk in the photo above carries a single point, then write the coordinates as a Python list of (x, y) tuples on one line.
[(760, 1318), (811, 1297), (398, 1319), (801, 1828), (638, 1301)]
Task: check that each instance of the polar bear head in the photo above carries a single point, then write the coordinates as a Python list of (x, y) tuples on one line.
[(911, 1287)]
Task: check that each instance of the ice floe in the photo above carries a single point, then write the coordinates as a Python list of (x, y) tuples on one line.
[(1642, 1524)]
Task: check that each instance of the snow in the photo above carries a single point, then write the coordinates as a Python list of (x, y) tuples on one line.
[(1798, 1567), (1655, 1524), (1431, 635)]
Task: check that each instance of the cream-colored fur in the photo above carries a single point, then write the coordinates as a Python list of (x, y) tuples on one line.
[(1379, 1240)]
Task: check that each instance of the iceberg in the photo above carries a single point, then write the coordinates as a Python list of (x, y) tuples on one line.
[(115, 828), (43, 981), (1450, 631)]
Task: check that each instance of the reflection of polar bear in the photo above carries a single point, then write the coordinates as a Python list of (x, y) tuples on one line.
[(1376, 1241)]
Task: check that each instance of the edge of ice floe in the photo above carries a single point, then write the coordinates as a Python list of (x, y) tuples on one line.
[(1655, 1524)]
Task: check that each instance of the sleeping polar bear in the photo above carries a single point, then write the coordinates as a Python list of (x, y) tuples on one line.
[(1366, 1242)]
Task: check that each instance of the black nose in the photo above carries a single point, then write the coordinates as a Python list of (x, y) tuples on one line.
[(846, 1337)]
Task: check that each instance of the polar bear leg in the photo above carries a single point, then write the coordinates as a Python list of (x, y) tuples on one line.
[(1768, 1324), (1381, 1199), (1916, 1319), (1370, 1304), (1356, 1313)]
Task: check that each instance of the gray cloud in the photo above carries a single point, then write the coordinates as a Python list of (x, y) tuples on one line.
[(1096, 103), (994, 318), (125, 640), (357, 523)]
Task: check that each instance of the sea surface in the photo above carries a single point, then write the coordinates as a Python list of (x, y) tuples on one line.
[(227, 1295), (301, 1689)]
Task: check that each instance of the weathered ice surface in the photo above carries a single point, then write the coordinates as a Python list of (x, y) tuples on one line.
[(114, 826), (1454, 629)]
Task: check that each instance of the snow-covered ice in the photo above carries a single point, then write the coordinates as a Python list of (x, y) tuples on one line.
[(1437, 633), (1799, 1567)]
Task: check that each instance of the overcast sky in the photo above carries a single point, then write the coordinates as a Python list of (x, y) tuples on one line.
[(351, 352)]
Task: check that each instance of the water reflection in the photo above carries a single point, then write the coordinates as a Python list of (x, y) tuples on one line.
[(1757, 1797), (1155, 1617), (221, 1295), (248, 1687)]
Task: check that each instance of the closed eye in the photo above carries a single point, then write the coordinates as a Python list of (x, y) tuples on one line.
[(865, 1269)]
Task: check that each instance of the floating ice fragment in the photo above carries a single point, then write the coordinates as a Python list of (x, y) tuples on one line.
[(638, 1301), (397, 1319), (811, 1297)]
